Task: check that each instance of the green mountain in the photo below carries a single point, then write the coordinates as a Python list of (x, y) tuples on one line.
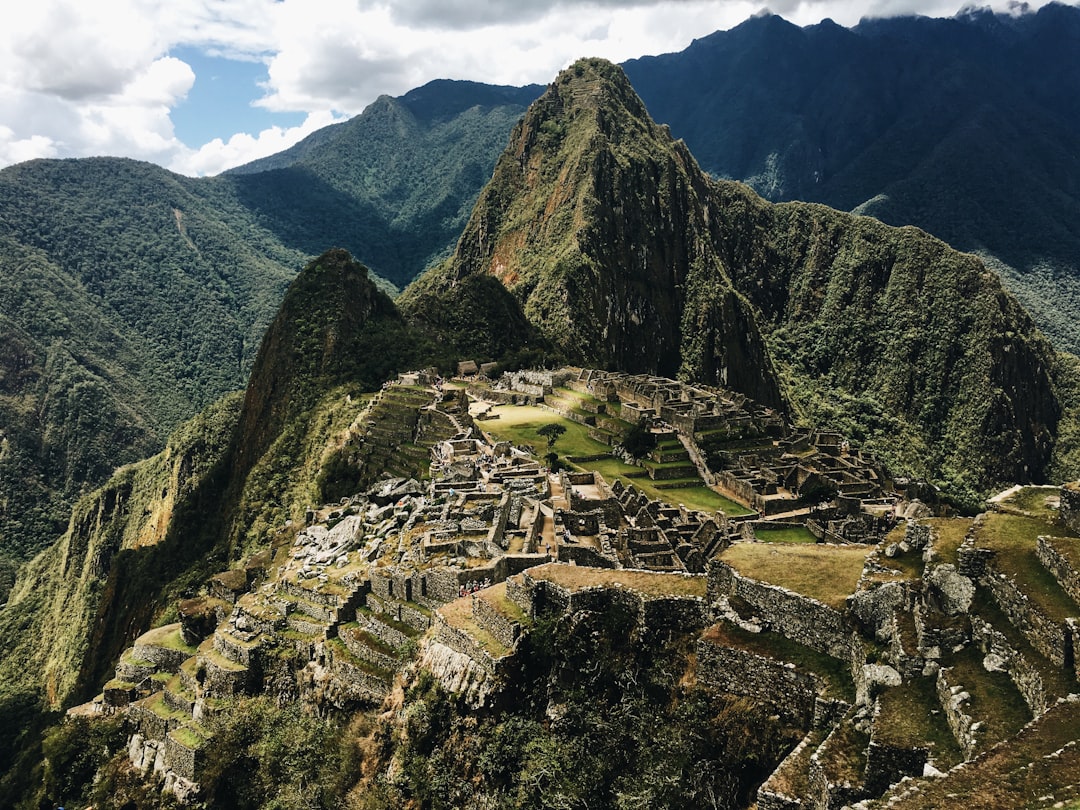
[(130, 298), (395, 184), (622, 253), (600, 239), (158, 528), (965, 127)]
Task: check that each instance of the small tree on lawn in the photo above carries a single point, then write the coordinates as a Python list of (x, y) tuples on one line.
[(551, 432)]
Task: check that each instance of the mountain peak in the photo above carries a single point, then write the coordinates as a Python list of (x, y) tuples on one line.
[(594, 222)]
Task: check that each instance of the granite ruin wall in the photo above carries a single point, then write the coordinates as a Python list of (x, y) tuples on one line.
[(796, 617)]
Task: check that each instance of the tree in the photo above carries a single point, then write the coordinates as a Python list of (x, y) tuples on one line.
[(551, 432), (638, 440)]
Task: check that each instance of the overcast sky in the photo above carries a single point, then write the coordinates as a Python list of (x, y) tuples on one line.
[(198, 86)]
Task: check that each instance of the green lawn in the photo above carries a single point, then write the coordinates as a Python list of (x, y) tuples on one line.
[(1013, 538), (799, 534), (826, 573), (519, 424)]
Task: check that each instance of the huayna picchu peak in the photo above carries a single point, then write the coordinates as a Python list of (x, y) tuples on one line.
[(652, 493), (623, 254)]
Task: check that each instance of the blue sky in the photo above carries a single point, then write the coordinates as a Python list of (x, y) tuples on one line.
[(221, 102), (199, 86)]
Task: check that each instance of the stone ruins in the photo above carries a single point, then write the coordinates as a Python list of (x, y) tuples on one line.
[(906, 647)]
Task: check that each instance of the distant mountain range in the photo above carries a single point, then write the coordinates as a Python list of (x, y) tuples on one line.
[(131, 297)]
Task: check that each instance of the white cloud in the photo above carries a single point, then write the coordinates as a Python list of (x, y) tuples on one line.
[(216, 156), (80, 78)]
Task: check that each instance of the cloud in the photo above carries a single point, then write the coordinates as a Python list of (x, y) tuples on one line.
[(217, 155), (81, 78)]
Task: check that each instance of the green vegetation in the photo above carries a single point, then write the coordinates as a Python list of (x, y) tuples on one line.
[(826, 573), (911, 715), (263, 755), (796, 534), (628, 734), (1013, 538), (835, 673)]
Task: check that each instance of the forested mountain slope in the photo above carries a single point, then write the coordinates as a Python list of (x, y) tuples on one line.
[(966, 127)]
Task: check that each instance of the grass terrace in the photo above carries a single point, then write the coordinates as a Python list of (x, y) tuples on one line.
[(519, 424), (785, 534), (577, 577), (949, 533), (575, 398), (824, 572), (911, 715), (458, 614), (497, 598), (994, 698), (835, 674), (1013, 538), (1037, 502), (167, 636), (1035, 769), (1058, 681)]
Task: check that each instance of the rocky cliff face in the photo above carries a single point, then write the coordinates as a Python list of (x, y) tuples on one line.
[(594, 222)]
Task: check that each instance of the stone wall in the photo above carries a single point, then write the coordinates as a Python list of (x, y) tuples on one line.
[(887, 764), (917, 535), (505, 630), (772, 795), (797, 617), (1070, 505), (185, 760), (381, 630), (974, 563), (356, 644), (1026, 677), (585, 556), (824, 793), (1052, 638), (954, 703), (1058, 564), (463, 643), (790, 693)]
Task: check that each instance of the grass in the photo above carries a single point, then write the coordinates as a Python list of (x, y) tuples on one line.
[(1013, 538), (519, 424), (167, 636), (994, 699), (1013, 775), (911, 715), (188, 737), (785, 534), (835, 673), (826, 573), (577, 577), (1057, 681), (458, 614), (949, 533), (497, 598), (1033, 501), (847, 754), (699, 498)]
